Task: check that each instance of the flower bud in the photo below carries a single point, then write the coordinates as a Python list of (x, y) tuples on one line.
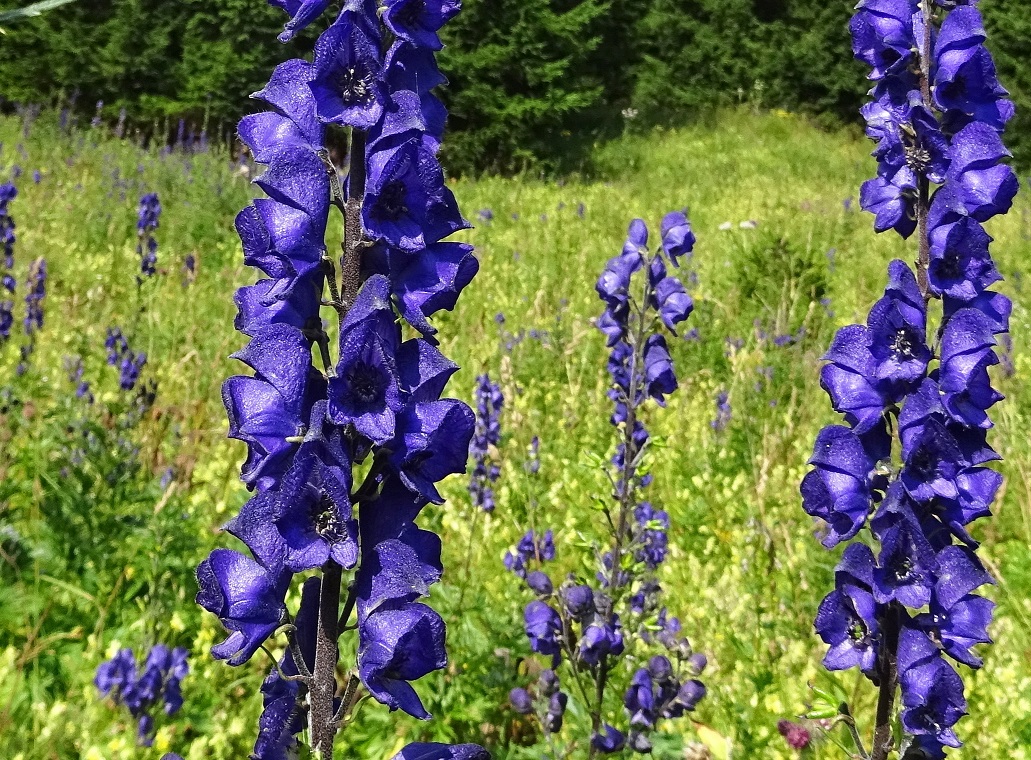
[(540, 583), (521, 701)]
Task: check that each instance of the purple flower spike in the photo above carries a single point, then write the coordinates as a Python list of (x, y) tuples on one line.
[(608, 740)]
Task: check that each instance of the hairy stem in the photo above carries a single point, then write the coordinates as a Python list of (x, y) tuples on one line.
[(923, 186), (887, 671), (354, 238), (323, 687)]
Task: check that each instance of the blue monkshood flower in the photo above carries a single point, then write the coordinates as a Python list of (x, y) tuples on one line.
[(958, 618), (639, 699), (977, 184), (932, 691), (907, 565), (418, 21), (431, 443), (346, 79), (540, 583), (890, 201), (147, 221), (407, 204), (838, 488), (530, 548), (654, 541), (6, 319), (659, 376), (960, 264), (677, 238), (556, 712), (966, 354), (364, 392), (116, 675), (302, 13), (579, 602), (521, 700), (608, 740), (601, 639), (398, 646), (410, 107), (299, 309), (724, 412), (847, 618), (424, 282), (544, 630), (271, 409), (246, 597), (966, 86), (883, 35), (897, 324), (434, 751), (282, 716)]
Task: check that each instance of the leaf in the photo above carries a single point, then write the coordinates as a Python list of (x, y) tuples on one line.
[(718, 744)]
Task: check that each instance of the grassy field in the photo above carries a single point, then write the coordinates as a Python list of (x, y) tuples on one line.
[(93, 560)]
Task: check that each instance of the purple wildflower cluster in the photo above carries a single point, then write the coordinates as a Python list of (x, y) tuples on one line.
[(130, 363), (375, 411), (142, 691), (35, 294), (910, 464), (483, 445), (147, 220), (8, 192), (589, 623)]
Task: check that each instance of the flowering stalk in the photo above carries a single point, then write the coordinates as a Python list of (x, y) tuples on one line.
[(343, 458), (908, 471), (590, 625), (484, 443), (141, 693), (147, 220), (35, 294), (8, 192)]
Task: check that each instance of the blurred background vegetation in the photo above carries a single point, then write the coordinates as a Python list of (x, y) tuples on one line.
[(534, 83)]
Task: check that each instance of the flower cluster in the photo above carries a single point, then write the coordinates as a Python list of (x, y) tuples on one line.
[(591, 623), (147, 220), (35, 293), (129, 362), (8, 192), (373, 412), (142, 691), (910, 463), (483, 446)]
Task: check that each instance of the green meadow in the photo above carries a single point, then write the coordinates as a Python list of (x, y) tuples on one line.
[(100, 554)]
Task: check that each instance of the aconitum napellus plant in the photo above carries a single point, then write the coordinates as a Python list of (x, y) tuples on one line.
[(148, 218), (343, 452), (905, 477), (8, 192), (611, 632), (483, 445), (157, 686)]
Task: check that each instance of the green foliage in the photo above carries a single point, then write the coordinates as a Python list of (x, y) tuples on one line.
[(745, 573), (534, 83), (518, 80)]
